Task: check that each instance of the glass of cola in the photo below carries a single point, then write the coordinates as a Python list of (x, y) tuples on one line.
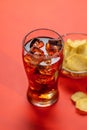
[(42, 57)]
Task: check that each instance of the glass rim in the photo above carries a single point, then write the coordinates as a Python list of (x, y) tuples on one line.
[(73, 71), (45, 56)]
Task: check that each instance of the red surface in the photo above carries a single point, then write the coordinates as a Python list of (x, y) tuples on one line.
[(18, 17)]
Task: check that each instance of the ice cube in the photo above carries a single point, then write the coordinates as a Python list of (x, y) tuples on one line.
[(35, 56), (53, 46), (36, 42), (31, 60), (46, 70), (36, 51), (40, 44)]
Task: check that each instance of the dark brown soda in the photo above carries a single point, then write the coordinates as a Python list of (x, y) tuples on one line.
[(43, 78)]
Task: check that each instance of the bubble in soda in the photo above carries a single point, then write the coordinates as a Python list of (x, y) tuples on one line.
[(53, 46), (36, 42)]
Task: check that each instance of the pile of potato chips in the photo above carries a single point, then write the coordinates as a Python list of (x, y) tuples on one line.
[(75, 55)]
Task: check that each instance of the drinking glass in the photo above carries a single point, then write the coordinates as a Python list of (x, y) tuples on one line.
[(42, 57)]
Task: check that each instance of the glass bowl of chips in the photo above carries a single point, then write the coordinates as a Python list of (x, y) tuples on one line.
[(75, 55)]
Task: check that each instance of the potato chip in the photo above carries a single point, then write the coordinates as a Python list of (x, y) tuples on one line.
[(78, 95), (67, 50), (77, 62), (82, 50), (75, 55), (81, 104), (76, 43)]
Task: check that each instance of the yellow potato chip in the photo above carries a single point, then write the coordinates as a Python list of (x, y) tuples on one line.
[(77, 62), (81, 104), (78, 95), (82, 50), (76, 43), (67, 50), (75, 55)]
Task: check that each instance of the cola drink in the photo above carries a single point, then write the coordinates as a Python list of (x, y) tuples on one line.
[(42, 58)]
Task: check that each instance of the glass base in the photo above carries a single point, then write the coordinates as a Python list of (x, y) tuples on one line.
[(43, 102)]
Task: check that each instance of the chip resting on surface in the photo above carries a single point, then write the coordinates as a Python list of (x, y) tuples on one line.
[(81, 104), (77, 95), (80, 100)]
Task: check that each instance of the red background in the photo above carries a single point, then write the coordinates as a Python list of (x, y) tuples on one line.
[(18, 17)]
